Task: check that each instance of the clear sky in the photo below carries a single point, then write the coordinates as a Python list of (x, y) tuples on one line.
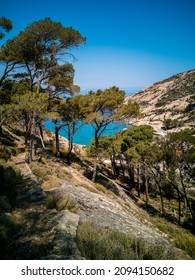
[(130, 43)]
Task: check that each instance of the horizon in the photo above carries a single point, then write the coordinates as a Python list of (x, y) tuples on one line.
[(129, 44)]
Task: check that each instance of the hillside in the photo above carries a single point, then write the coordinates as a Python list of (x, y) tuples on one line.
[(58, 213), (51, 209), (172, 98)]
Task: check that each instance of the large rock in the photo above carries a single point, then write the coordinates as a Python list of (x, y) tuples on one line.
[(63, 246), (44, 233), (109, 213)]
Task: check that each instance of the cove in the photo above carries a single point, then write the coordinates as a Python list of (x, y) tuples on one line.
[(86, 133)]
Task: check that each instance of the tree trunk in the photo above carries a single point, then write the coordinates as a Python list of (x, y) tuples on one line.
[(131, 174), (122, 168), (114, 167), (41, 135), (31, 145), (27, 129), (138, 181), (146, 190), (95, 162), (186, 199), (70, 145), (179, 208), (161, 199), (145, 183), (57, 152)]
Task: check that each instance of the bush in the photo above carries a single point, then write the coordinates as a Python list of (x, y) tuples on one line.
[(59, 201), (96, 243), (186, 242)]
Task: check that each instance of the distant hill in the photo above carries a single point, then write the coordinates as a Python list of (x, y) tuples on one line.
[(172, 98)]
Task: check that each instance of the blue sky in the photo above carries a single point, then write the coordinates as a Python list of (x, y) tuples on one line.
[(130, 43)]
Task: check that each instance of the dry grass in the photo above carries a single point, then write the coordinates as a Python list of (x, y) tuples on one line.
[(100, 188), (61, 201), (52, 182)]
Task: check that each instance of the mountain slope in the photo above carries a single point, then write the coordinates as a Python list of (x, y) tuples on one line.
[(171, 98)]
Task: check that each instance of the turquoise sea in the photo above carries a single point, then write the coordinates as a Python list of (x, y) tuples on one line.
[(86, 132)]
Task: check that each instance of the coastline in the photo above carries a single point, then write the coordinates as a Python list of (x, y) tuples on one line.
[(49, 138)]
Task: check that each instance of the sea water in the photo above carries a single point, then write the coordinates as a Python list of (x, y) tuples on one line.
[(86, 132)]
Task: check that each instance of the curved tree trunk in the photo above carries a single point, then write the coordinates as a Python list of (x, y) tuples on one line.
[(41, 136)]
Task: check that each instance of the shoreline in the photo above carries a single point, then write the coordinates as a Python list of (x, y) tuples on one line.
[(49, 137)]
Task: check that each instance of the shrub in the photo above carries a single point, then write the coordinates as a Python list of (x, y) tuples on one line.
[(96, 243), (60, 201), (186, 242)]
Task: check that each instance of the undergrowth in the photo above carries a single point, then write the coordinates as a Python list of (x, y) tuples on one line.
[(96, 243)]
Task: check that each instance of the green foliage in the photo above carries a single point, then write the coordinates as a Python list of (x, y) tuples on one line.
[(43, 39), (61, 77), (32, 104), (5, 24), (105, 148), (169, 123), (96, 243), (186, 242), (7, 148), (135, 140), (38, 49), (60, 201), (102, 108)]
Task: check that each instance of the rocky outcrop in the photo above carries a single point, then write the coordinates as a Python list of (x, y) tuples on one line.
[(44, 233), (111, 213), (63, 246)]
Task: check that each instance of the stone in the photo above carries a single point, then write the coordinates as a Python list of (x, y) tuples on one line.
[(67, 222)]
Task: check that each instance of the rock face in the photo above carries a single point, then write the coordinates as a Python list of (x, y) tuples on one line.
[(110, 213), (44, 233), (167, 99)]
